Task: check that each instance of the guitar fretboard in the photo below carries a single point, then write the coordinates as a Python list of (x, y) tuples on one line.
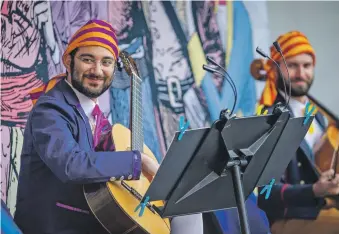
[(136, 114)]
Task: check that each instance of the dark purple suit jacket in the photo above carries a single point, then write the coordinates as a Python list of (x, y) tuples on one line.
[(57, 159)]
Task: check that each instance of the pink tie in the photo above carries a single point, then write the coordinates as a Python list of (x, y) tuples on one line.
[(103, 132)]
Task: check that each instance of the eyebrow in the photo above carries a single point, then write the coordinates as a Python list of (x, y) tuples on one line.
[(88, 55), (108, 57), (92, 56)]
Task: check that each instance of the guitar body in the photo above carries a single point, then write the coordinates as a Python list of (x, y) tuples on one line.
[(113, 205), (324, 153)]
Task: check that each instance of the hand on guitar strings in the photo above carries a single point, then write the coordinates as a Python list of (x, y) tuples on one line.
[(327, 185), (149, 166)]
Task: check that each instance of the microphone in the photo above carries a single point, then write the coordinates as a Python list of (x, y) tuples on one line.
[(230, 80), (277, 47), (262, 53), (225, 75), (212, 70)]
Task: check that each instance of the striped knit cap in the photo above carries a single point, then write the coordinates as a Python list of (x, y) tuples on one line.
[(94, 33), (292, 44)]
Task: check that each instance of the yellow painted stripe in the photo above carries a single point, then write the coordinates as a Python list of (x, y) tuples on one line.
[(197, 58), (216, 4)]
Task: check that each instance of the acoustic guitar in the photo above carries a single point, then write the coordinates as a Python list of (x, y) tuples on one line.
[(113, 203)]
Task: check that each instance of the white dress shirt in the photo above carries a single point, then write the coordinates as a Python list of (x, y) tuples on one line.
[(298, 110), (87, 105)]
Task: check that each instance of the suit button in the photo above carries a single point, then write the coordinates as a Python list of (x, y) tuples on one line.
[(122, 177), (302, 182), (299, 164), (113, 179), (129, 177)]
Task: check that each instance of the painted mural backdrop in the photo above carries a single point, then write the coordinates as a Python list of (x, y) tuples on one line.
[(169, 42)]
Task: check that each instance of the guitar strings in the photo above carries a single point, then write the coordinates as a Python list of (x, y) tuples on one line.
[(137, 127)]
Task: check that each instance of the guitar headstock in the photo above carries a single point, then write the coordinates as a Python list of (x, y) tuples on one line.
[(128, 63)]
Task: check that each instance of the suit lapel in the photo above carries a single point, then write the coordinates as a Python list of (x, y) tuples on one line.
[(72, 100), (321, 120)]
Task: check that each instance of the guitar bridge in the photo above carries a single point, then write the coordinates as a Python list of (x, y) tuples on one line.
[(137, 195)]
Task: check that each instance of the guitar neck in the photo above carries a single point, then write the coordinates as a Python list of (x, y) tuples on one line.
[(137, 136)]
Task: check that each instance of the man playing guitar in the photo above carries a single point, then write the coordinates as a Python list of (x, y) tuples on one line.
[(61, 149)]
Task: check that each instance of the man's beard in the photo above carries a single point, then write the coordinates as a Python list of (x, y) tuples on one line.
[(78, 85), (295, 91)]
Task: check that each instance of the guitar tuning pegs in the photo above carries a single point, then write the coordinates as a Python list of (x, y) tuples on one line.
[(120, 64)]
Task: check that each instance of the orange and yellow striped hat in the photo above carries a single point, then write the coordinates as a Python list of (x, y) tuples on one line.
[(94, 33), (292, 43)]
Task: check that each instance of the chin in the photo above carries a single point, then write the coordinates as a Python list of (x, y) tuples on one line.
[(299, 93), (95, 91)]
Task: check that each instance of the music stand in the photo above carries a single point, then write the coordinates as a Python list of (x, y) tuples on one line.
[(218, 167)]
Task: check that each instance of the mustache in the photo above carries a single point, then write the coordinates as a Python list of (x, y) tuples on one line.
[(298, 80), (93, 77)]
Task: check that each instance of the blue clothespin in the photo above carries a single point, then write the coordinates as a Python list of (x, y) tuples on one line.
[(268, 189), (142, 206), (308, 113), (182, 127)]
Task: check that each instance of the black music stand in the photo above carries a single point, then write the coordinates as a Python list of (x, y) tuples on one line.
[(218, 168)]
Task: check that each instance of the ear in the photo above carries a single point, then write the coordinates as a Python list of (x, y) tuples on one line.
[(67, 64)]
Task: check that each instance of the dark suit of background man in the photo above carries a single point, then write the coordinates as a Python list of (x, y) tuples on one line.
[(62, 149), (298, 204)]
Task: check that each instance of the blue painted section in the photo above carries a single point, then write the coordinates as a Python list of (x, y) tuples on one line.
[(239, 69), (8, 225)]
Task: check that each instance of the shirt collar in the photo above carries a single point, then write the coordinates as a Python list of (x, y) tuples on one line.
[(296, 106), (86, 103)]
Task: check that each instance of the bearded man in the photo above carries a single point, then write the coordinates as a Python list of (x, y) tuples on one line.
[(299, 203), (63, 146)]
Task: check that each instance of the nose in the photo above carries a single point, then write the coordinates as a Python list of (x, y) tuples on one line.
[(97, 69), (301, 73)]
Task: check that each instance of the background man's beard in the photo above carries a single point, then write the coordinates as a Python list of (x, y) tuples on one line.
[(78, 85), (295, 91)]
